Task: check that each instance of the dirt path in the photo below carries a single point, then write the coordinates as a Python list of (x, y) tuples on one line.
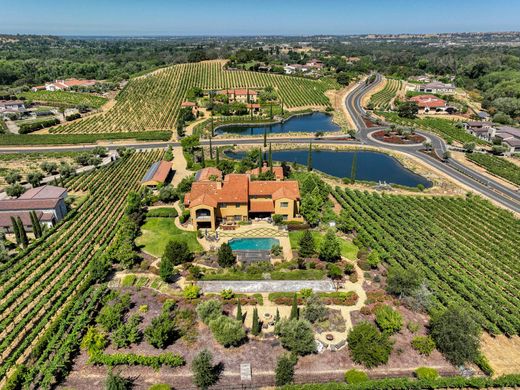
[(179, 166)]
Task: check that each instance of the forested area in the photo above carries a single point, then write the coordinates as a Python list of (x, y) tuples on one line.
[(31, 60)]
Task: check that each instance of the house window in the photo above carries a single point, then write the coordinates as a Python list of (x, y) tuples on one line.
[(238, 217), (285, 217), (237, 205), (222, 205), (284, 204)]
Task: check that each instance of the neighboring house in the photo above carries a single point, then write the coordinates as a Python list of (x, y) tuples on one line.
[(435, 87), (295, 68), (478, 129), (47, 201), (192, 105), (61, 85), (429, 104), (278, 171), (420, 79), (240, 95), (509, 136), (157, 174), (209, 173), (237, 198), (315, 64), (255, 107), (12, 105), (483, 116)]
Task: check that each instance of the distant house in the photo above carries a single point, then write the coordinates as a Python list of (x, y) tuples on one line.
[(295, 68), (429, 103), (240, 95), (157, 174), (62, 85), (253, 106), (509, 136), (315, 64), (12, 105), (194, 107), (278, 171), (483, 116), (436, 87), (47, 201), (478, 129)]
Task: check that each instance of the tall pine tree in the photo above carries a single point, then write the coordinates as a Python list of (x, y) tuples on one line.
[(309, 158), (217, 157), (37, 228), (16, 230), (353, 169), (23, 234), (240, 316), (256, 327), (210, 149), (294, 309), (270, 158)]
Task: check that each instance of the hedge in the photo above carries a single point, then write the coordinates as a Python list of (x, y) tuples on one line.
[(64, 139), (334, 298), (29, 127), (131, 359), (456, 382)]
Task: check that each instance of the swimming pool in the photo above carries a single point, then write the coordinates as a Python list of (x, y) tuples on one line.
[(253, 244)]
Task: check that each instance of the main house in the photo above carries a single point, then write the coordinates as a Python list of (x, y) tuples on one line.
[(240, 95), (430, 104), (237, 198), (47, 201)]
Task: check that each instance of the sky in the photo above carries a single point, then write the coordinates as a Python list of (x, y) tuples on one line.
[(255, 17)]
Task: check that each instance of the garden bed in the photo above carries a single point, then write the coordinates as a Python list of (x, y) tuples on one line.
[(394, 137)]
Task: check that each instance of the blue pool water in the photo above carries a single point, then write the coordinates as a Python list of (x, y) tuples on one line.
[(309, 123), (255, 244), (371, 166)]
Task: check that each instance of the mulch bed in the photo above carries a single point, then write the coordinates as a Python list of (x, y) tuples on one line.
[(394, 138)]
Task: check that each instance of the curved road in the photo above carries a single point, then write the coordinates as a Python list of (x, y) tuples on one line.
[(467, 176)]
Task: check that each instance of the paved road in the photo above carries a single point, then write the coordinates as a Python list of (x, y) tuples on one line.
[(471, 178), (261, 286)]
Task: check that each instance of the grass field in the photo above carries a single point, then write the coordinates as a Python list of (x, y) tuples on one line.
[(66, 98), (348, 249), (158, 231), (153, 101)]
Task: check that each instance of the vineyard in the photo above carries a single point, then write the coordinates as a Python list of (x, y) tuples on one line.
[(153, 101), (477, 267), (444, 127), (65, 98), (496, 165), (45, 295), (382, 99)]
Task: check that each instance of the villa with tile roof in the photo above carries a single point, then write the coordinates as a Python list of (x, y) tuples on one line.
[(236, 198)]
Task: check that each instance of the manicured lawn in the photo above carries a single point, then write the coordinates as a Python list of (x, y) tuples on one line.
[(348, 249), (156, 232)]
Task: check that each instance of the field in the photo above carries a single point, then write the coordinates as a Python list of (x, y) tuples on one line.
[(381, 100), (45, 296), (475, 267), (497, 166), (158, 231), (152, 102), (348, 249), (65, 98)]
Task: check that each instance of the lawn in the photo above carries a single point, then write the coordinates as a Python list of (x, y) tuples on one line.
[(348, 249), (156, 232)]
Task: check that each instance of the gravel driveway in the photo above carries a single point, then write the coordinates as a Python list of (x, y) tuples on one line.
[(259, 286)]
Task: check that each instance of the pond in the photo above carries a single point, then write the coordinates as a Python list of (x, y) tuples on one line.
[(308, 123), (370, 166)]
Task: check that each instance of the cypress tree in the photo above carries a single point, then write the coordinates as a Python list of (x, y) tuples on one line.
[(265, 137), (210, 149), (240, 316), (294, 309), (277, 316), (270, 158), (354, 168), (255, 328), (271, 111), (282, 107), (309, 158), (260, 160), (23, 234), (16, 230), (202, 160), (37, 229), (211, 122), (217, 157)]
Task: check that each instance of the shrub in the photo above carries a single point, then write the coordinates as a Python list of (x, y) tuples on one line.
[(388, 320), (307, 245), (191, 292), (177, 252), (373, 259), (314, 310), (204, 374), (368, 346), (161, 332), (227, 294), (209, 310), (127, 334), (116, 382), (423, 344), (227, 331), (413, 327), (354, 376), (284, 372), (94, 340), (226, 258), (330, 249), (160, 386), (277, 219), (162, 212), (426, 373), (297, 336)]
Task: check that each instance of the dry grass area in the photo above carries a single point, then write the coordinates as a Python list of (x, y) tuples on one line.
[(502, 352), (25, 164)]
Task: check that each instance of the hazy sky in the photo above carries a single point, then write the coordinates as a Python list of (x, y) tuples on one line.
[(255, 17)]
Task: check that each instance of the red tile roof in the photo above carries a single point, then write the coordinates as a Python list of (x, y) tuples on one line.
[(278, 172), (261, 206), (158, 172), (253, 105), (429, 101), (188, 104), (206, 174), (237, 92), (276, 189)]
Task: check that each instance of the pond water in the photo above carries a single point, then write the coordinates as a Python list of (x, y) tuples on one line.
[(309, 123), (370, 166), (257, 244)]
